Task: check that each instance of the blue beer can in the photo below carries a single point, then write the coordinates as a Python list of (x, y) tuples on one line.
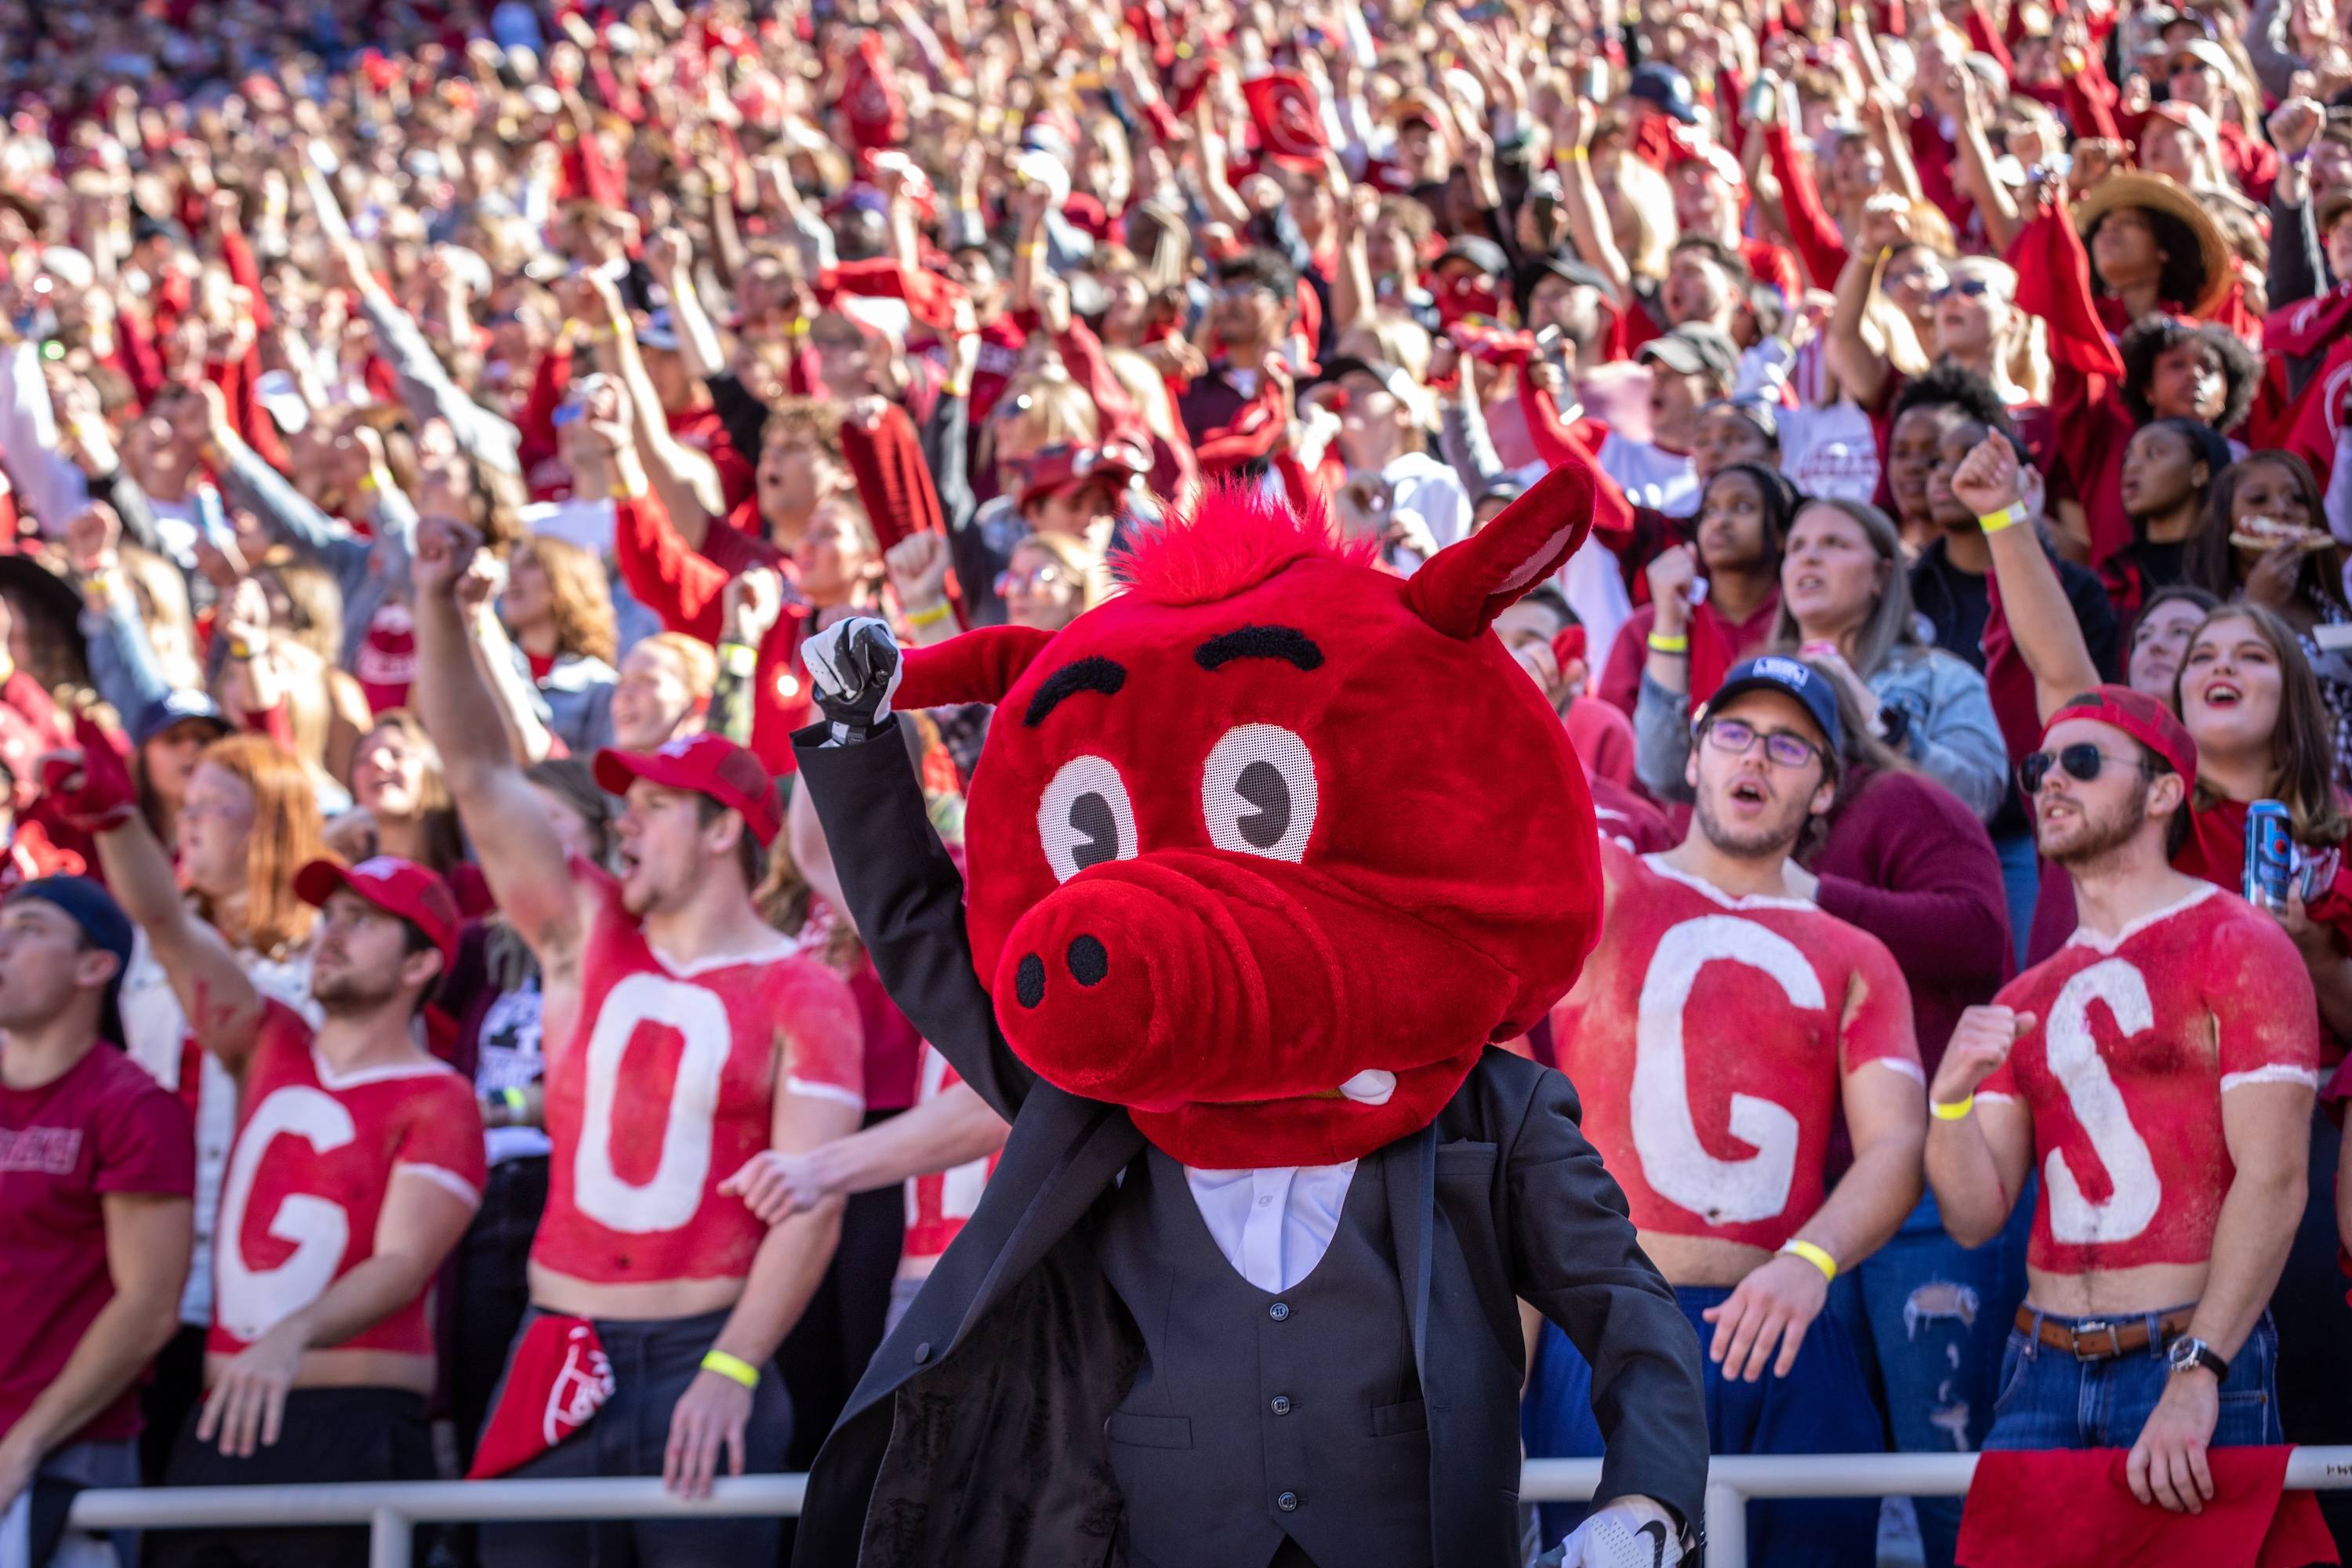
[(2270, 855)]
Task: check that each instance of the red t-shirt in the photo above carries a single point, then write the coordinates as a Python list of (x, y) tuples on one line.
[(2136, 1040), (938, 1203), (1709, 1037), (633, 1183), (315, 1157), (104, 1127)]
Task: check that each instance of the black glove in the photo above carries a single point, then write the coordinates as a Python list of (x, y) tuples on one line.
[(855, 669)]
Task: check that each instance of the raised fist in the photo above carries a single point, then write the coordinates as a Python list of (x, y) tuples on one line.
[(855, 668)]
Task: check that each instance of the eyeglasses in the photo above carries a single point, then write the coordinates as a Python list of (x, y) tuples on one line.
[(1782, 748), (1240, 290), (1967, 288), (2083, 761), (1030, 582)]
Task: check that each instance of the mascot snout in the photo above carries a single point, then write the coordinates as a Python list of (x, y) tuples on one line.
[(1214, 978)]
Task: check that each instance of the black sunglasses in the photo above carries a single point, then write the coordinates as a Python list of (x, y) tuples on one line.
[(2081, 760)]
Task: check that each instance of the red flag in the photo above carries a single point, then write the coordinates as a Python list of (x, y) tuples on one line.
[(558, 1378), (869, 97), (1289, 125), (2074, 1508)]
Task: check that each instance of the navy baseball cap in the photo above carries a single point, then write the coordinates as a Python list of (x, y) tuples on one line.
[(93, 909), (173, 707), (1790, 677)]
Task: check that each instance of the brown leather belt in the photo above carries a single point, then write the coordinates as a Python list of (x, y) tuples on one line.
[(2101, 1339)]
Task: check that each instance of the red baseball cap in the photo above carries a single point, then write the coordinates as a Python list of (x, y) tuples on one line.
[(2144, 718), (397, 887), (1062, 467), (701, 764)]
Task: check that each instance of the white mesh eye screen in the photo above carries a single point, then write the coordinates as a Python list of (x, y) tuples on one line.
[(1258, 793), (1085, 817)]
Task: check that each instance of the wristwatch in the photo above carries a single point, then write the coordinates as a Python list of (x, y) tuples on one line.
[(2186, 1354)]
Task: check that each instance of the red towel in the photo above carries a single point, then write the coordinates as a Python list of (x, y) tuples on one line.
[(560, 1376), (2076, 1509)]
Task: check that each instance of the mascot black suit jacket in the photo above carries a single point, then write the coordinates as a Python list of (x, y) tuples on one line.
[(1268, 823)]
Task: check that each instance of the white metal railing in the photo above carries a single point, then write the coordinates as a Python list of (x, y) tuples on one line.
[(393, 1510)]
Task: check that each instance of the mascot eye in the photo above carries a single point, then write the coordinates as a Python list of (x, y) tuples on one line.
[(1085, 817), (1257, 793)]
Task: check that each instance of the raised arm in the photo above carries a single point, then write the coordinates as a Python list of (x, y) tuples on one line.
[(2049, 639), (669, 256), (686, 481), (1580, 199), (222, 1009), (521, 858), (903, 893), (425, 381)]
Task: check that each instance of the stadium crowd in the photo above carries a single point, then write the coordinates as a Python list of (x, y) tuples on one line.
[(432, 431)]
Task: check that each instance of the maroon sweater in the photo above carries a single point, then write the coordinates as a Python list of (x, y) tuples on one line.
[(1907, 862)]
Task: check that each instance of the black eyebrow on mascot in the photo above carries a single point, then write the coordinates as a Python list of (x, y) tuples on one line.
[(1264, 854)]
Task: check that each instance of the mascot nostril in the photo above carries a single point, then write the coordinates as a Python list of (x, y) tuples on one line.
[(1089, 962), (1029, 981)]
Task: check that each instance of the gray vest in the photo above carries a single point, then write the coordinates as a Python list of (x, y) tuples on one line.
[(1259, 1415)]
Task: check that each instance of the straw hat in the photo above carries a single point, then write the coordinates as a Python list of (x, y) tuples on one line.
[(2156, 193)]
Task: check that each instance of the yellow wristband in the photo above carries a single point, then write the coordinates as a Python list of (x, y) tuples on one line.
[(100, 583), (515, 1101), (732, 1367), (737, 658), (930, 617), (1955, 1110), (1580, 154), (1818, 1256), (1668, 644), (2009, 517), (239, 650)]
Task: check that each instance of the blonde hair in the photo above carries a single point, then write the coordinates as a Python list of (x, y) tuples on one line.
[(2023, 353), (697, 659), (579, 594), (1057, 410), (163, 596)]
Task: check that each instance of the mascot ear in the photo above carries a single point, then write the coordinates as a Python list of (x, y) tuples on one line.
[(978, 667), (1462, 588)]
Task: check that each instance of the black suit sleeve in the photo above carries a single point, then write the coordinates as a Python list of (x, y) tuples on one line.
[(906, 899), (1576, 1262)]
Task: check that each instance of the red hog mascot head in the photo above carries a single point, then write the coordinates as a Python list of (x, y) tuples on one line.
[(1268, 848)]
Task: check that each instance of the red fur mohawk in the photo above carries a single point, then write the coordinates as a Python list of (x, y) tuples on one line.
[(1234, 538)]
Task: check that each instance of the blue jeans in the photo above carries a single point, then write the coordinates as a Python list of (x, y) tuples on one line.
[(2020, 886), (2050, 1400), (1822, 1406), (1934, 1314)]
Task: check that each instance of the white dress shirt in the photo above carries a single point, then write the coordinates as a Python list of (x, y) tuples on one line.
[(1272, 1224)]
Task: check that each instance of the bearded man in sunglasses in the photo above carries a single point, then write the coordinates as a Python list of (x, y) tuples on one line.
[(1714, 1034), (2158, 1071)]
